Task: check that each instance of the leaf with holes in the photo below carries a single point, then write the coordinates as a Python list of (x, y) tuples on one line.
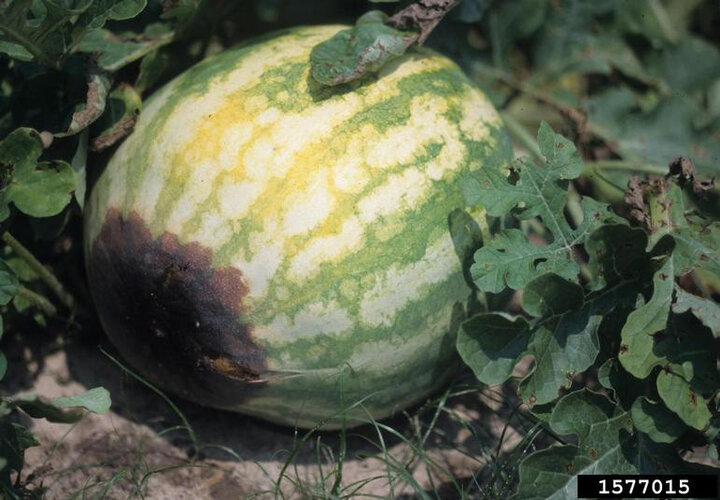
[(638, 352), (530, 191)]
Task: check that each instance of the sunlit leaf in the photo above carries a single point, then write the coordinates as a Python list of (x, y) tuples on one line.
[(706, 310), (40, 189), (64, 409), (510, 259), (655, 420), (355, 52), (117, 50), (638, 353), (681, 398)]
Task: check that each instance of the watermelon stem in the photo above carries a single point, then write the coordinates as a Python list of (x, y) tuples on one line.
[(42, 272), (38, 300), (524, 137)]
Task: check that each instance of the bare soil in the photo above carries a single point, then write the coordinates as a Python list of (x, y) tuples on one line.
[(132, 450)]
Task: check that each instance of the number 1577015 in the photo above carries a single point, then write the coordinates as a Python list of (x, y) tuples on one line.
[(628, 485), (648, 486)]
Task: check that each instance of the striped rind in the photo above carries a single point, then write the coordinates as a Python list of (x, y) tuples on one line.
[(333, 203)]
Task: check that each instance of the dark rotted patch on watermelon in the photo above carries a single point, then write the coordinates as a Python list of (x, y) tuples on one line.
[(173, 316)]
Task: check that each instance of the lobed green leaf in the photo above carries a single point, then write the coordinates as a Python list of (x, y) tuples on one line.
[(510, 259)]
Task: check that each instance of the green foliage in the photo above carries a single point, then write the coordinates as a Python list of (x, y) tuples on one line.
[(491, 345), (706, 310), (615, 288), (118, 50), (8, 284), (656, 420), (15, 438), (363, 49), (562, 336), (608, 442), (64, 410), (39, 189), (44, 30), (632, 82), (541, 191), (60, 99), (377, 39)]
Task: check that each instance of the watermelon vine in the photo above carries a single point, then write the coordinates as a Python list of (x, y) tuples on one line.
[(599, 290)]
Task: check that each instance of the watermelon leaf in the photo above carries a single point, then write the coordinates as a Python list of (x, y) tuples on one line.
[(607, 443), (622, 298), (679, 396), (638, 352), (355, 52), (655, 420), (626, 388), (100, 11), (375, 40), (40, 189), (98, 86), (63, 409), (705, 310), (124, 105), (533, 191), (116, 51), (491, 344), (44, 30), (565, 344)]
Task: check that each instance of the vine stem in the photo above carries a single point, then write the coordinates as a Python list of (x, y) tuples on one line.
[(40, 301), (628, 166), (598, 169), (43, 273), (523, 136)]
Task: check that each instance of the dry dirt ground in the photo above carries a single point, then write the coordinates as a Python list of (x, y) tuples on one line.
[(130, 450)]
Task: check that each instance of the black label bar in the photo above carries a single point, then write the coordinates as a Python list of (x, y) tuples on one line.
[(648, 486)]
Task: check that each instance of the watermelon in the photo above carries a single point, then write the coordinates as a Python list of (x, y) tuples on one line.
[(267, 245)]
